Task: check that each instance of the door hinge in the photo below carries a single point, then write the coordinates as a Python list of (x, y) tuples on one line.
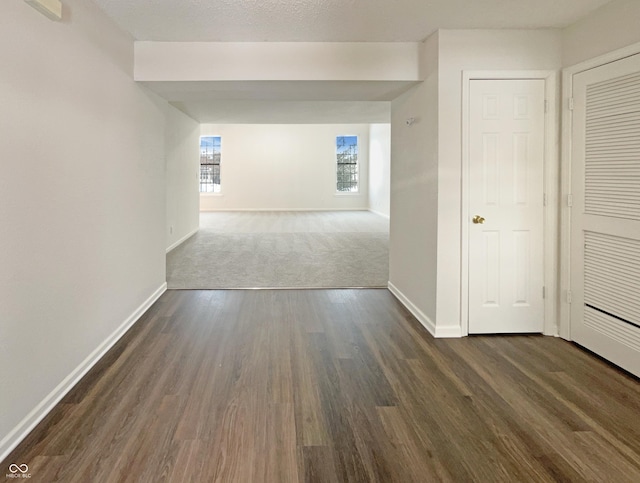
[(569, 200), (571, 105), (569, 298), (546, 105), (544, 292), (544, 199)]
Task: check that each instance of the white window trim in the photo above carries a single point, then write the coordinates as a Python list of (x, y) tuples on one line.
[(335, 167), (211, 193)]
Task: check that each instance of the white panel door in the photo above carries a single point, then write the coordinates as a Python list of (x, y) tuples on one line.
[(605, 217), (506, 159)]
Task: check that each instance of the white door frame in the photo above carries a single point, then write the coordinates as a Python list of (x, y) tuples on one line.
[(551, 182), (565, 167)]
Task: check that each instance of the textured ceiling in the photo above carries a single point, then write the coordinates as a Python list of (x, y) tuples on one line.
[(315, 21), (332, 20)]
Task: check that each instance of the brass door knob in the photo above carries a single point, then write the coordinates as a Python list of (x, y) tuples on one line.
[(478, 220)]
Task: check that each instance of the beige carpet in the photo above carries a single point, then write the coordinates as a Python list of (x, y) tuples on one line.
[(283, 250)]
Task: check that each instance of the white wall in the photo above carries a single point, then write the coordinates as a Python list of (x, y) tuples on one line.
[(182, 138), (82, 201), (472, 50), (615, 25), (379, 168), (414, 192), (426, 159), (241, 61), (284, 167)]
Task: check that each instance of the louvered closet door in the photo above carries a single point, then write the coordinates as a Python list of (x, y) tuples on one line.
[(605, 227)]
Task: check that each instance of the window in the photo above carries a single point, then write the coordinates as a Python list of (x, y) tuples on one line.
[(210, 164), (347, 169)]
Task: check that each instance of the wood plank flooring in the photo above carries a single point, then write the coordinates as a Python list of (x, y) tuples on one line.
[(333, 386)]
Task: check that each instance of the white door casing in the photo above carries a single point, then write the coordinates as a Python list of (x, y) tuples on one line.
[(605, 217), (506, 187)]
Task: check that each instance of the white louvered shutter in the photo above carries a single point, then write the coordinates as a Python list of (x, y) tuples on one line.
[(612, 167), (605, 249)]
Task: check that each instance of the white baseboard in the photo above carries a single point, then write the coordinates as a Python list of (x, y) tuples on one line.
[(17, 434), (383, 215), (438, 332), (417, 313), (448, 332), (183, 239)]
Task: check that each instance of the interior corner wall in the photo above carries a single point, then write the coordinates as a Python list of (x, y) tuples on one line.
[(379, 166), (182, 154), (414, 192), (82, 201), (284, 167), (611, 27), (461, 50)]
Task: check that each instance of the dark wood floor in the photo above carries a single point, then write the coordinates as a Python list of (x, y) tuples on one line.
[(336, 385)]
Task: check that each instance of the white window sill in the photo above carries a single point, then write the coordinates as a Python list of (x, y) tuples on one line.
[(347, 193), (211, 194)]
